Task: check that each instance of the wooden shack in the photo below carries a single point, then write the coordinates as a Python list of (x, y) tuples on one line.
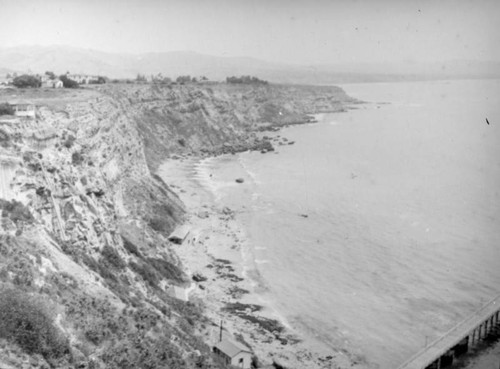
[(179, 235), (233, 353)]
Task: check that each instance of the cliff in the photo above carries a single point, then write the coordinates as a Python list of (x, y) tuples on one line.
[(85, 262)]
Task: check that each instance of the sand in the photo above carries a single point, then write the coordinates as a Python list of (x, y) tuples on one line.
[(214, 249)]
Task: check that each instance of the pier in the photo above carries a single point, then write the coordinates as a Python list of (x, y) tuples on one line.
[(457, 341)]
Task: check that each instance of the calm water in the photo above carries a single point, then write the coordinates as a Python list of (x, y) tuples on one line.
[(402, 235)]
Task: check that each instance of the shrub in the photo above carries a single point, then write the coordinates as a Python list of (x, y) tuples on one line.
[(6, 109), (16, 211), (68, 82), (162, 219), (99, 268), (131, 247), (183, 79), (167, 269), (4, 138), (26, 322), (26, 80), (99, 81), (159, 224), (246, 80), (68, 143), (77, 158), (150, 276), (112, 257)]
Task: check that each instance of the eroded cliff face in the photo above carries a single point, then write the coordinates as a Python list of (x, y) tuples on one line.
[(218, 118), (84, 218)]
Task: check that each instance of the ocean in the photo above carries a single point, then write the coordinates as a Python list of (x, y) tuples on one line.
[(379, 228)]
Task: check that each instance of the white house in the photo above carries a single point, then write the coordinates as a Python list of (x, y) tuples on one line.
[(23, 108), (233, 353), (83, 79), (52, 83)]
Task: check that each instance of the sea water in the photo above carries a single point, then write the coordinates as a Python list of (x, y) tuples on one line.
[(379, 229)]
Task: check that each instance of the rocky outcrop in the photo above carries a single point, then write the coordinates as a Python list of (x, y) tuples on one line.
[(218, 118)]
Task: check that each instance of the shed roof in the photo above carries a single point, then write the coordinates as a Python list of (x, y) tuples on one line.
[(21, 102), (179, 233), (231, 348)]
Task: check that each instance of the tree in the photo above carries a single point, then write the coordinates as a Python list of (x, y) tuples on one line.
[(183, 79), (140, 77), (246, 80), (25, 81), (6, 109), (68, 82), (50, 74), (166, 80)]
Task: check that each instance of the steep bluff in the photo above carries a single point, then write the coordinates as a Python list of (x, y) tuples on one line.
[(219, 118), (84, 217)]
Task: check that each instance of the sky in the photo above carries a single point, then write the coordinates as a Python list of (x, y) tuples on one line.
[(292, 31)]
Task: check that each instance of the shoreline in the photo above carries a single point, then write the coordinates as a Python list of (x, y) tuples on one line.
[(216, 251)]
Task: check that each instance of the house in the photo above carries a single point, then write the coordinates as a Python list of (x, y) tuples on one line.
[(83, 79), (4, 81), (233, 353), (179, 235), (52, 83), (23, 108)]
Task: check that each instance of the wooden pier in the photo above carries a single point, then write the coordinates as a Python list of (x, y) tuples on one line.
[(458, 340)]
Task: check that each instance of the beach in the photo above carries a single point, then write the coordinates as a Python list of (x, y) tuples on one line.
[(374, 222), (216, 249)]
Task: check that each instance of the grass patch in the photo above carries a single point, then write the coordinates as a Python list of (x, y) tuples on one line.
[(167, 269), (150, 276), (26, 322), (98, 267), (112, 257), (131, 247)]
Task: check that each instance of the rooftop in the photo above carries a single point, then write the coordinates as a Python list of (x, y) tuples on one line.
[(231, 348)]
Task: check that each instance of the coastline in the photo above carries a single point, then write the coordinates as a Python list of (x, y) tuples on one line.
[(219, 250)]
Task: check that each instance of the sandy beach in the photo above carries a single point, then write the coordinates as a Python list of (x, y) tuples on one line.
[(214, 252)]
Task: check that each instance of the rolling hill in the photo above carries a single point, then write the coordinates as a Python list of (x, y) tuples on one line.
[(38, 59)]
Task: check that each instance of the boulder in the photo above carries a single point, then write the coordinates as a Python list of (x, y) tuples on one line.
[(198, 277)]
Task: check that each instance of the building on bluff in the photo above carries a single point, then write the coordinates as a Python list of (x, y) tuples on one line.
[(233, 353), (23, 108), (179, 235)]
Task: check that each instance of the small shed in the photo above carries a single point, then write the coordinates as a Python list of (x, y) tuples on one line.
[(179, 235), (233, 353), (178, 293)]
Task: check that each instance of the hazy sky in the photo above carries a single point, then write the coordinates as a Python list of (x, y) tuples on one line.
[(294, 31)]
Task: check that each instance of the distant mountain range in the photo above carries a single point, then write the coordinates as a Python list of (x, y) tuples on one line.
[(59, 59)]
